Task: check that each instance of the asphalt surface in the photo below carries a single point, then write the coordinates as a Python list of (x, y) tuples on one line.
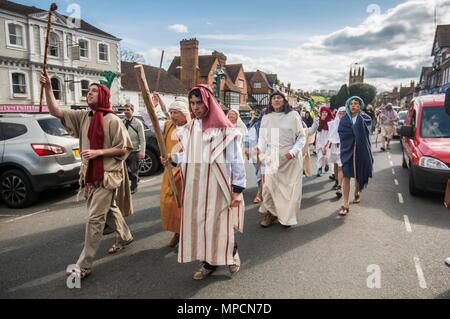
[(375, 252)]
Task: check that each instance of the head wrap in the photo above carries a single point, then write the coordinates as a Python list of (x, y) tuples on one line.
[(389, 112), (215, 118), (181, 104), (96, 133), (323, 124), (347, 105)]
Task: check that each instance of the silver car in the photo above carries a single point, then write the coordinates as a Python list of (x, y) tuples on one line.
[(36, 153)]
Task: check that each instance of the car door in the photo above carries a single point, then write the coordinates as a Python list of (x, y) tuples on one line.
[(408, 143), (2, 143)]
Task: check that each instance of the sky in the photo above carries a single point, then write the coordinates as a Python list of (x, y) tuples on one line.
[(309, 43)]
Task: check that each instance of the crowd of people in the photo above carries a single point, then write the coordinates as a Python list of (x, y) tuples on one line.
[(207, 152)]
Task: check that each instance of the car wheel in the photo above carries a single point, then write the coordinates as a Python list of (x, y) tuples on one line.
[(16, 190), (149, 165), (413, 190)]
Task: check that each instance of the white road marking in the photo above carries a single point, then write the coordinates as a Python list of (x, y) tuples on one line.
[(389, 156), (393, 171), (29, 215), (407, 224), (396, 181), (400, 198), (148, 180), (422, 282), (1, 215), (391, 163)]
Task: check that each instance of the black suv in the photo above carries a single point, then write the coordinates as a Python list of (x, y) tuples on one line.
[(152, 163)]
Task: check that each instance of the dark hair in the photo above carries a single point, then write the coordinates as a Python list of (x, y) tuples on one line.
[(286, 107), (196, 93)]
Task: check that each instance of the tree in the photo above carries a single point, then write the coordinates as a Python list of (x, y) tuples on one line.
[(342, 96), (129, 55), (333, 104), (365, 91)]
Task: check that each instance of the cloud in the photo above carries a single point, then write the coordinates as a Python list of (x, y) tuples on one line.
[(178, 28), (393, 46)]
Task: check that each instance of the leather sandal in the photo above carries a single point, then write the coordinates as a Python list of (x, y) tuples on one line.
[(344, 211), (357, 199)]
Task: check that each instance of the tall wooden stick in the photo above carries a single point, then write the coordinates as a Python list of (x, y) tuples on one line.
[(139, 69), (53, 7), (159, 72)]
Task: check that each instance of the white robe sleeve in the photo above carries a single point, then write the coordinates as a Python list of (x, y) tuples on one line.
[(235, 158), (298, 146)]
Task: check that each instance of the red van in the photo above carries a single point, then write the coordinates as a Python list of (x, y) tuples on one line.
[(426, 143)]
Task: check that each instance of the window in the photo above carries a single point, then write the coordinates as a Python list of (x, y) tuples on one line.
[(53, 127), (435, 123), (53, 48), (84, 48), (15, 34), (241, 84), (257, 85), (12, 130), (103, 54), (19, 84), (84, 88), (56, 85)]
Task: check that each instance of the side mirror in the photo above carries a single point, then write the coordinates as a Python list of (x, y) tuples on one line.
[(447, 101), (407, 131)]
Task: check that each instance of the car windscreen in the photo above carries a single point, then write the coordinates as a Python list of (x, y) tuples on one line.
[(435, 123), (53, 127)]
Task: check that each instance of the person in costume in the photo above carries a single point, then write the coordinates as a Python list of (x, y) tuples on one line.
[(325, 116), (281, 140), (388, 119), (170, 213), (334, 150), (213, 173), (356, 153), (104, 147)]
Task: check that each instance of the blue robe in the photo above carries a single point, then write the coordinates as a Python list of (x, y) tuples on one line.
[(356, 134)]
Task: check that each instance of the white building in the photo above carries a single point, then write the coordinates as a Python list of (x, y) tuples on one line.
[(78, 55)]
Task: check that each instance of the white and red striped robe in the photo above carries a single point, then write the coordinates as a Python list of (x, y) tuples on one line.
[(207, 221)]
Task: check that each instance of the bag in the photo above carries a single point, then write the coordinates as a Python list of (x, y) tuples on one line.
[(447, 196)]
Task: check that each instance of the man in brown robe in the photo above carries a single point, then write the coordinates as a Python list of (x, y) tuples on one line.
[(104, 146)]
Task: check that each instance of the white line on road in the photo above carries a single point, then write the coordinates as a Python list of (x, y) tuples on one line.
[(396, 181), (148, 180), (391, 163), (9, 215), (25, 216), (400, 198), (389, 156), (393, 171), (407, 223), (422, 282)]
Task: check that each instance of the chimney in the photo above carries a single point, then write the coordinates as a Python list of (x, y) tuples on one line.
[(222, 57), (189, 62)]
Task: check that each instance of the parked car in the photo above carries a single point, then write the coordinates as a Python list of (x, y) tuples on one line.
[(398, 126), (426, 144), (36, 154), (151, 163)]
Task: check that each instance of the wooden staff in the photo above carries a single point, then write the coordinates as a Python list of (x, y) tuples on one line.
[(139, 69), (53, 7)]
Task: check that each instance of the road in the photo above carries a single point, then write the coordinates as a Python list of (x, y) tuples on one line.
[(392, 245)]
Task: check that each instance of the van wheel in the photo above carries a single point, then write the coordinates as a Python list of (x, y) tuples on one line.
[(16, 190), (413, 190)]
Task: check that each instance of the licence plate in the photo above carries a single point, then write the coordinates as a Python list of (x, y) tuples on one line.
[(77, 153)]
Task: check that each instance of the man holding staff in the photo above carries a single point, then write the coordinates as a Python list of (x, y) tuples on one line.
[(104, 146)]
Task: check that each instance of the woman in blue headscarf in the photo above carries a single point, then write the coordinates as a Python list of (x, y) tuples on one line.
[(356, 153)]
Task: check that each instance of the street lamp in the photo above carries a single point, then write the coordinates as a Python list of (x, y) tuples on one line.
[(218, 76)]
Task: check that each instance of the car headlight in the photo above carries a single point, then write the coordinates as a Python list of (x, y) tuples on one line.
[(432, 163)]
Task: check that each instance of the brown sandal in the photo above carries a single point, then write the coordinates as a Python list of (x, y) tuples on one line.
[(344, 211), (119, 246), (357, 199), (257, 200)]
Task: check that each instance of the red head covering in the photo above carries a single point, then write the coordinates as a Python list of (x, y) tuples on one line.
[(324, 124), (96, 133), (215, 117)]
